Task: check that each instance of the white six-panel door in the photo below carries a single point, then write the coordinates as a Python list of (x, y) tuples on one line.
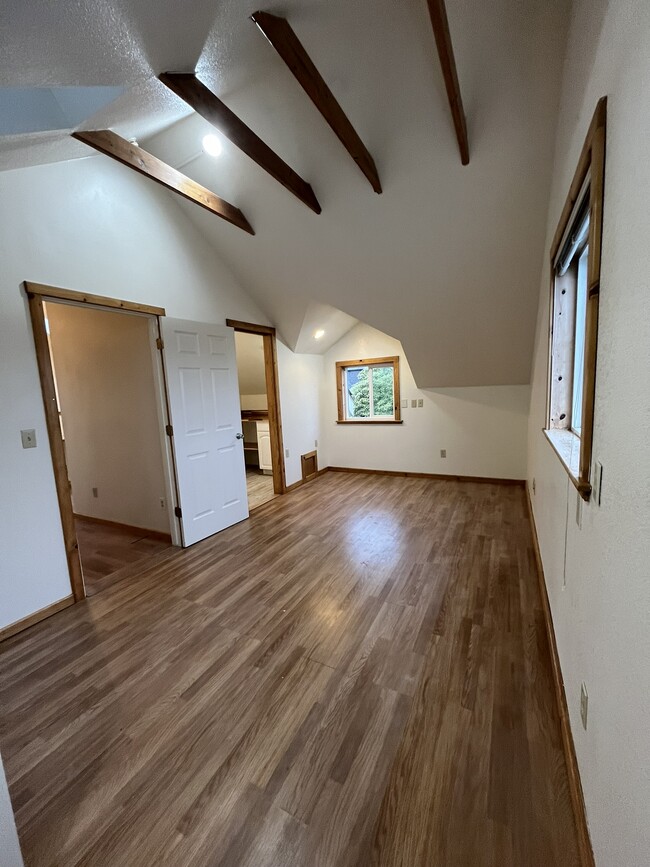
[(206, 419)]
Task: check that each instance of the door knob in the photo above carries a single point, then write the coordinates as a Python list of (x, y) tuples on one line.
[(239, 436)]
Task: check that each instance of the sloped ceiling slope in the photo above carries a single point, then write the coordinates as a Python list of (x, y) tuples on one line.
[(447, 259)]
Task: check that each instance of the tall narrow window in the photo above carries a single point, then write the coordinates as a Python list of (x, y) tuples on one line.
[(575, 289), (579, 343)]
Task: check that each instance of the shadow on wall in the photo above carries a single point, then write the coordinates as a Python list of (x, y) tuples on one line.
[(512, 400)]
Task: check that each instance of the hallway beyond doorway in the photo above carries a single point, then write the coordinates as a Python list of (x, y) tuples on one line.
[(105, 549), (259, 486)]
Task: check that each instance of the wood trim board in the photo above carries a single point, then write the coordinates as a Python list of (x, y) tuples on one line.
[(134, 157), (591, 162), (397, 402), (272, 396), (282, 37), (204, 102), (440, 25), (36, 617), (486, 480), (88, 298), (250, 327), (573, 772), (57, 449), (128, 528), (37, 294)]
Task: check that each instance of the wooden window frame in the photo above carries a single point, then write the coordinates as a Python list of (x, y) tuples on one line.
[(575, 452), (358, 362)]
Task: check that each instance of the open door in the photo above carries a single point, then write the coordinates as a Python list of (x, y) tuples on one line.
[(207, 439)]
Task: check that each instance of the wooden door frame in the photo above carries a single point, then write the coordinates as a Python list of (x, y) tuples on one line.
[(272, 395), (37, 295)]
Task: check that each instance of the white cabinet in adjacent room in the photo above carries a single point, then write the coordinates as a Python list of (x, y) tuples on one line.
[(264, 446)]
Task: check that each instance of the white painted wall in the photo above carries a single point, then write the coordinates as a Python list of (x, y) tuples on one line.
[(107, 393), (253, 401), (300, 380), (251, 373), (599, 578), (90, 225), (9, 847), (483, 429)]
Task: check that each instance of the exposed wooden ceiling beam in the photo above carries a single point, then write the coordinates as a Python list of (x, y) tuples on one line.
[(440, 24), (279, 33), (209, 106), (129, 154)]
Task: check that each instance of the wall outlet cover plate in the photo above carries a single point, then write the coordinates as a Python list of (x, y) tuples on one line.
[(28, 438)]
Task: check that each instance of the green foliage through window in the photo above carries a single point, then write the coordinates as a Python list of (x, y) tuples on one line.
[(359, 384)]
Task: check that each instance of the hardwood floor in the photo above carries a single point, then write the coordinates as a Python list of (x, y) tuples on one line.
[(105, 550), (358, 675), (259, 487)]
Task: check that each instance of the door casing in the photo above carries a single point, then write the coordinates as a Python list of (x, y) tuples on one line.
[(37, 295), (272, 396)]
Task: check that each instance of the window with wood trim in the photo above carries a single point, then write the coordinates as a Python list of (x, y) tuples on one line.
[(368, 390), (575, 289)]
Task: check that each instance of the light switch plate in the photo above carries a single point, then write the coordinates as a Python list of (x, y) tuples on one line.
[(584, 705), (28, 438), (597, 486), (414, 403), (405, 404), (420, 401)]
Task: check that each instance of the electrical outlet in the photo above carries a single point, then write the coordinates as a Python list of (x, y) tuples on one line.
[(597, 487), (28, 438), (414, 403), (584, 704), (162, 502), (443, 453), (420, 401), (286, 453), (95, 493)]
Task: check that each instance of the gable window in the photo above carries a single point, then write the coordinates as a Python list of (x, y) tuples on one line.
[(575, 288), (368, 390)]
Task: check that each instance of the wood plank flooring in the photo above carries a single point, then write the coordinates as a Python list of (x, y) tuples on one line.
[(105, 550), (358, 675), (259, 487)]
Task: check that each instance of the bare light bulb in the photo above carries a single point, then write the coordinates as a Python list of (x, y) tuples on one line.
[(318, 334)]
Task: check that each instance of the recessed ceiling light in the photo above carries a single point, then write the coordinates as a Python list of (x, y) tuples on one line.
[(318, 334), (212, 144)]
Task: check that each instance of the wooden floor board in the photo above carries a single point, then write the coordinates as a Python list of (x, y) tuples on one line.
[(358, 675)]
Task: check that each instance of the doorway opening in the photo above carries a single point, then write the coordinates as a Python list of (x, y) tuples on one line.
[(104, 383), (260, 411), (255, 418), (195, 382), (47, 303)]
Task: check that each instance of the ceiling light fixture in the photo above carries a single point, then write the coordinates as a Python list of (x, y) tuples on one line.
[(318, 334), (212, 144)]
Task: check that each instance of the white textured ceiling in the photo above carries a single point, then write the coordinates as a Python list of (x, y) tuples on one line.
[(447, 259)]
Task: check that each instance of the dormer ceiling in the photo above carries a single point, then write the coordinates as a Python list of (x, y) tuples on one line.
[(447, 258)]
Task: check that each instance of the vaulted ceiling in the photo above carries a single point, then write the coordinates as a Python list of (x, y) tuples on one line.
[(447, 258)]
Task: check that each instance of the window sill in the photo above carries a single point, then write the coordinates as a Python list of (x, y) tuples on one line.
[(369, 421), (566, 446)]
